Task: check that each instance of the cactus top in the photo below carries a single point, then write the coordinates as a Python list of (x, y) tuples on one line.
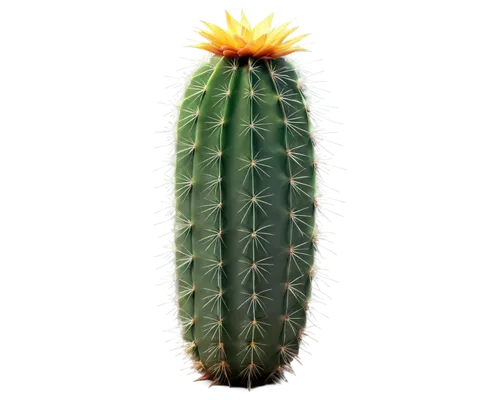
[(241, 40)]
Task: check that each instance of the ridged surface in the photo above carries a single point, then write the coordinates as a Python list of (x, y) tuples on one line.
[(245, 187)]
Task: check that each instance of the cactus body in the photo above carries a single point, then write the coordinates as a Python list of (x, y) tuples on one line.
[(245, 204)]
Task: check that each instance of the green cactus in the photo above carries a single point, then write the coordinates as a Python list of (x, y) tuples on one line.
[(245, 184)]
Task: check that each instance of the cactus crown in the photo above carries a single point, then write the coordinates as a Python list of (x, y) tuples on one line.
[(241, 40)]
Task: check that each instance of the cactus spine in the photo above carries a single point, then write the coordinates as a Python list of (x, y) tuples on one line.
[(245, 204)]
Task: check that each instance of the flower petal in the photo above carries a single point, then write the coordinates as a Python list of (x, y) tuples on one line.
[(288, 51), (212, 26), (239, 41), (246, 34), (244, 19), (231, 23), (209, 37), (217, 30), (265, 24), (230, 48), (263, 51), (275, 32), (208, 47), (246, 51), (261, 41), (229, 53), (291, 42), (283, 35)]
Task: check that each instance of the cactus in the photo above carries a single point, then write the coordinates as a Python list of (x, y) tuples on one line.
[(245, 207)]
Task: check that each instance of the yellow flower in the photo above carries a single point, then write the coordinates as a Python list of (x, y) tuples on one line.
[(241, 40)]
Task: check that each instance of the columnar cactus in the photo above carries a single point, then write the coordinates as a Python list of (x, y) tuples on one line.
[(245, 205)]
